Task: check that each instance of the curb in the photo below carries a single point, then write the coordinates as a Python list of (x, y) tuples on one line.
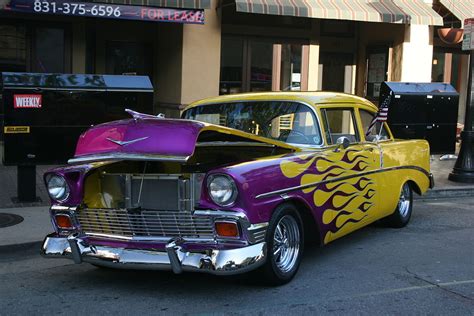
[(454, 192), (14, 248)]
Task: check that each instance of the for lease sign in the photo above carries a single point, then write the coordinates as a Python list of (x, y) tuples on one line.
[(27, 101)]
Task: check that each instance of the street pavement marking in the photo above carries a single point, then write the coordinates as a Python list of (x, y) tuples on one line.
[(414, 288)]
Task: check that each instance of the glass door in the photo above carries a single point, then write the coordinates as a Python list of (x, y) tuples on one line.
[(337, 71), (252, 65), (261, 66)]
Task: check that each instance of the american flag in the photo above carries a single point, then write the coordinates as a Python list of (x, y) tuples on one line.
[(381, 115)]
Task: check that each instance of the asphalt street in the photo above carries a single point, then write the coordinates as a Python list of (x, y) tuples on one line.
[(425, 268)]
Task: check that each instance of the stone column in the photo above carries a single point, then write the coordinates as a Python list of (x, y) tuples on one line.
[(314, 75), (417, 54), (201, 57)]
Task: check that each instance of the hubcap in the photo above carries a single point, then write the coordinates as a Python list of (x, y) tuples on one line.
[(404, 202), (286, 243)]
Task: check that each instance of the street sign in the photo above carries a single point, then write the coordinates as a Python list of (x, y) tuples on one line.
[(468, 40)]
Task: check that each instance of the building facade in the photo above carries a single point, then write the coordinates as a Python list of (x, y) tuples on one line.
[(239, 45)]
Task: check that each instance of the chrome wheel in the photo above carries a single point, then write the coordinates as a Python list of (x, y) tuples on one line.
[(286, 243), (405, 200)]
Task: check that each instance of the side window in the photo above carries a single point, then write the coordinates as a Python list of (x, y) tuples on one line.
[(340, 122), (378, 131), (297, 128)]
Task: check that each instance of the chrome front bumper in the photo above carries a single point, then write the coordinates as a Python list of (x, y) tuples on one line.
[(175, 258)]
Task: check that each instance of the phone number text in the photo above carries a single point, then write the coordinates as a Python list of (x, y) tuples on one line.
[(76, 8)]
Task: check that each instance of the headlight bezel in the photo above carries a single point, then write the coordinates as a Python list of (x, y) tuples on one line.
[(234, 194), (67, 190)]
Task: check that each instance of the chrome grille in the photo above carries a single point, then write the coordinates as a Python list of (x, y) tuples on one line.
[(145, 223)]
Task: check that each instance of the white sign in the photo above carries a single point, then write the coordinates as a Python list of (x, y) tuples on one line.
[(25, 101), (468, 39)]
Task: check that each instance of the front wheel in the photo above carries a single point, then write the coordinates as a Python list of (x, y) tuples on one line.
[(285, 245), (402, 214)]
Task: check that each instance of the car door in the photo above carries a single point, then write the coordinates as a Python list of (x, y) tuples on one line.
[(349, 196), (380, 138)]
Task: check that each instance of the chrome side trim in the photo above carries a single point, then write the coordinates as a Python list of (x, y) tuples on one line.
[(315, 184), (237, 215), (175, 258), (257, 232), (233, 144), (63, 208), (124, 156)]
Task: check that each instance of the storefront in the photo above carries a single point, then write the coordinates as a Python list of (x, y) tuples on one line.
[(110, 38), (215, 47), (450, 62), (349, 46)]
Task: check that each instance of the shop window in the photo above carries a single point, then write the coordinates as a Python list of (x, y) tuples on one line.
[(12, 48), (249, 64), (290, 77), (337, 71), (446, 67), (339, 122), (231, 65), (46, 59), (261, 60), (129, 58), (377, 69)]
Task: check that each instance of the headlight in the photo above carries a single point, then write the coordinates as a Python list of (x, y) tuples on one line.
[(58, 188), (222, 189)]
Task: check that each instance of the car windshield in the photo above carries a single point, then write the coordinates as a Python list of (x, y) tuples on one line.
[(290, 122)]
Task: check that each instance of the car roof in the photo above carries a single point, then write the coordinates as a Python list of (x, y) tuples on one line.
[(314, 98)]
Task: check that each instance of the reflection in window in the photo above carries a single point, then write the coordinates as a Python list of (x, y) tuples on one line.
[(338, 123), (231, 65), (261, 66), (129, 58), (446, 68), (290, 67), (47, 59), (285, 121)]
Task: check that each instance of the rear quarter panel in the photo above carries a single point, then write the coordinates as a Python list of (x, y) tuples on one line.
[(404, 160)]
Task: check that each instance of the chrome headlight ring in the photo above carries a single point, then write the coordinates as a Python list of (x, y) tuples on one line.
[(57, 186), (222, 189)]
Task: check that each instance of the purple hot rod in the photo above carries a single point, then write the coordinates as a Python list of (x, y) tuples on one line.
[(238, 184)]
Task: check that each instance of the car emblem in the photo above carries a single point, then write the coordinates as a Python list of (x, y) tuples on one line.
[(127, 142)]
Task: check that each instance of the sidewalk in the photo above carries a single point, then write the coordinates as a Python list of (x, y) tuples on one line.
[(36, 224)]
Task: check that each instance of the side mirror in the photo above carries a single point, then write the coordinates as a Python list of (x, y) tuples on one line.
[(342, 142)]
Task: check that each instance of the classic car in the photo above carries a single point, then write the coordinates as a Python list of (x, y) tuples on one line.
[(239, 183)]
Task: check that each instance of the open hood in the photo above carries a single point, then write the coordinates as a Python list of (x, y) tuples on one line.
[(160, 139)]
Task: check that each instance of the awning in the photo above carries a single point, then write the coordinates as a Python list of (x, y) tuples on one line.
[(184, 4), (389, 11), (461, 9)]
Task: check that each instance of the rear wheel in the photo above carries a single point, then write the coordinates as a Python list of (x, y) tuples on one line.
[(402, 214), (285, 245)]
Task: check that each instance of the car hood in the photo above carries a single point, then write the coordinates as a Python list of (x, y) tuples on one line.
[(159, 139)]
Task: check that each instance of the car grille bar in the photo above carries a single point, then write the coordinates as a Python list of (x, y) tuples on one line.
[(144, 223)]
